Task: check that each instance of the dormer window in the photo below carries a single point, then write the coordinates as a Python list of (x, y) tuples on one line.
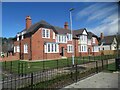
[(45, 33), (18, 37), (23, 34)]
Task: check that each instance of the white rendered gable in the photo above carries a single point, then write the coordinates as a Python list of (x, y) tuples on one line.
[(84, 32)]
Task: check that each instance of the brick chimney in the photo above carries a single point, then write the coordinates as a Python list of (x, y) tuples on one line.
[(101, 36), (28, 22), (66, 25)]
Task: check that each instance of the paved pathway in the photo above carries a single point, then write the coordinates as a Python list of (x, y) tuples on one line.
[(100, 80)]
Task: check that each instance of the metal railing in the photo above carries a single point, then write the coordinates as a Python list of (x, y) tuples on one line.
[(52, 74)]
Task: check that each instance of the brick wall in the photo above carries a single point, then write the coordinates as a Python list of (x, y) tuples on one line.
[(37, 48), (9, 58)]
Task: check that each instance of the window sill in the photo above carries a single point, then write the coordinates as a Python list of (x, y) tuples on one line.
[(51, 52)]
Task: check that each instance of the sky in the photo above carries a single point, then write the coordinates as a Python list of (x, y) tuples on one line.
[(96, 17)]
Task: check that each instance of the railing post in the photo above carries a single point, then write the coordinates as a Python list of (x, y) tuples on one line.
[(67, 62), (83, 59), (102, 65), (22, 70), (57, 64), (89, 58), (32, 81), (43, 65), (76, 72), (107, 63), (96, 66), (10, 66), (18, 67), (25, 67), (5, 65)]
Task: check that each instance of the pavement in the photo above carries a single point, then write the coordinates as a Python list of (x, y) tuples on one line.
[(100, 80)]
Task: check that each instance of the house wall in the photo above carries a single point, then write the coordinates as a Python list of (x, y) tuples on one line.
[(21, 43), (92, 47), (106, 47), (38, 52), (16, 43), (76, 52), (25, 56), (37, 47)]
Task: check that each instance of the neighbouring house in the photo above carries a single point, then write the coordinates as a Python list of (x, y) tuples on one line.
[(42, 41), (93, 47), (108, 44)]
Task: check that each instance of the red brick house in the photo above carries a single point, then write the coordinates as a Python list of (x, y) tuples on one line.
[(42, 41)]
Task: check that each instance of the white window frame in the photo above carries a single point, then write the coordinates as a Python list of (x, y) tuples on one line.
[(18, 48), (69, 37), (23, 35), (95, 48), (61, 39), (18, 36), (82, 48), (45, 33), (69, 48), (89, 41), (53, 48), (14, 49), (25, 48)]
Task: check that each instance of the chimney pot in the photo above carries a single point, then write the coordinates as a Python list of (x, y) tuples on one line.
[(66, 25), (101, 36)]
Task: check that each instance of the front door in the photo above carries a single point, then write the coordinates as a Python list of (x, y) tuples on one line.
[(89, 51), (62, 51)]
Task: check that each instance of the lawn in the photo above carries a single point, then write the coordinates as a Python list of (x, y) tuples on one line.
[(27, 67), (112, 67)]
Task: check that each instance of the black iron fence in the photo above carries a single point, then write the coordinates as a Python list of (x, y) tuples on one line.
[(52, 74)]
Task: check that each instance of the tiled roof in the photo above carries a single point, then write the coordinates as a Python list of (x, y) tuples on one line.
[(61, 30), (56, 29), (37, 25), (108, 40), (90, 35)]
